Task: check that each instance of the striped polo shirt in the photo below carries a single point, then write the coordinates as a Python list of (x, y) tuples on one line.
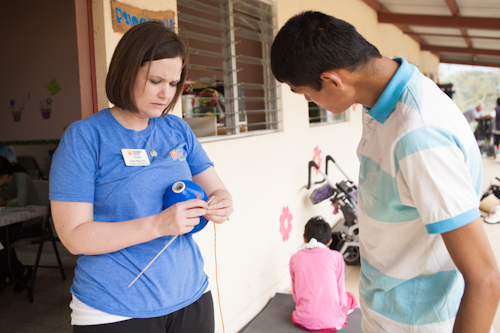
[(420, 176)]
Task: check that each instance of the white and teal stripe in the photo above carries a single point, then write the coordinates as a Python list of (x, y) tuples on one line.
[(420, 176)]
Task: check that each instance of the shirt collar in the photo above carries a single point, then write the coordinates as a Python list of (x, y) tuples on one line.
[(390, 97)]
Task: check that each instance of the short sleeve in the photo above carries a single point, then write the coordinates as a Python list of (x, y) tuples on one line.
[(434, 176), (73, 168), (197, 158)]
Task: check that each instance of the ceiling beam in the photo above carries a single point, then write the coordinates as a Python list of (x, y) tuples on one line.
[(452, 5), (375, 5), (441, 21), (467, 50), (471, 63), (466, 37), (449, 35), (380, 8)]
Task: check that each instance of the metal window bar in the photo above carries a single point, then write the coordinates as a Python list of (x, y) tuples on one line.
[(324, 117), (270, 94), (202, 7), (253, 10), (248, 86), (261, 30), (202, 37), (253, 23), (198, 20)]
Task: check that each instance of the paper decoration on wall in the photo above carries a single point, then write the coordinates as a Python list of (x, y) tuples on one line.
[(53, 86), (45, 106), (285, 223), (125, 16), (317, 158), (16, 111)]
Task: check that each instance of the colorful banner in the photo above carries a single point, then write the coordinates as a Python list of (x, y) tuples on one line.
[(125, 16)]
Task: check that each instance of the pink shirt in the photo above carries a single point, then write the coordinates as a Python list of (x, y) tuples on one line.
[(319, 291)]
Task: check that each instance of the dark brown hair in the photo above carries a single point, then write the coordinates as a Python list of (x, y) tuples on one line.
[(141, 44)]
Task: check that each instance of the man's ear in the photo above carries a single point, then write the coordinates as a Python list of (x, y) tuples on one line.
[(332, 78)]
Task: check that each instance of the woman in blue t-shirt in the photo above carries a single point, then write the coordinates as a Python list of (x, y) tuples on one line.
[(107, 181)]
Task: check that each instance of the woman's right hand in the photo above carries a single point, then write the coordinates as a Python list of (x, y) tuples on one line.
[(182, 217)]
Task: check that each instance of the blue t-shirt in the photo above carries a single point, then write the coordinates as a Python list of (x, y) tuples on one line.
[(88, 166)]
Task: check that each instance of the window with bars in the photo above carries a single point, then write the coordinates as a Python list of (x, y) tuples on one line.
[(318, 115), (230, 88)]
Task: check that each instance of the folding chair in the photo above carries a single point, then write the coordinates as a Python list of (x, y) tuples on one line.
[(31, 166), (42, 189)]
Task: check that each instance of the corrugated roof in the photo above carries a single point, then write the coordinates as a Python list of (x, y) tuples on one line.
[(457, 31)]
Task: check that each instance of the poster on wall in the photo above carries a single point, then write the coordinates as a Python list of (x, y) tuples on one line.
[(125, 16)]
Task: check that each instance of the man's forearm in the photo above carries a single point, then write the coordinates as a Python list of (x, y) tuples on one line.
[(478, 307)]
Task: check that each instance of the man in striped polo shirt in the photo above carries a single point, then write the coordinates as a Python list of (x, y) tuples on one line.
[(426, 263)]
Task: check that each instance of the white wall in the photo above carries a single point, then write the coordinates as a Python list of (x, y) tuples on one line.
[(267, 172)]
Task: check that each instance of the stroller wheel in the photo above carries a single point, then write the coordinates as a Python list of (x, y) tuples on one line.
[(351, 254)]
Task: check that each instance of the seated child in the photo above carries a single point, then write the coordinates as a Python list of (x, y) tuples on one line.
[(321, 301)]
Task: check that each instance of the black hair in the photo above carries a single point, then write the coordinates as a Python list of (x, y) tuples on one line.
[(317, 228), (9, 168), (498, 101), (311, 43)]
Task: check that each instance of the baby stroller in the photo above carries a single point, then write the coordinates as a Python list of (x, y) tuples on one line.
[(493, 189), (343, 196), (483, 134)]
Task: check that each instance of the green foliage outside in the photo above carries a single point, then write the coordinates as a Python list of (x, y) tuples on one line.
[(474, 87)]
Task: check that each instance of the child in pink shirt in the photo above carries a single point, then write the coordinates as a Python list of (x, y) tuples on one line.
[(321, 301)]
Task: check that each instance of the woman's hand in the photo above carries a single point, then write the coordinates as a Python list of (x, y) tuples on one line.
[(221, 206), (219, 209), (182, 217)]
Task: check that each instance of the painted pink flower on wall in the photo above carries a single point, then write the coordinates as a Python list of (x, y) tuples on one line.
[(285, 223), (354, 106), (317, 158)]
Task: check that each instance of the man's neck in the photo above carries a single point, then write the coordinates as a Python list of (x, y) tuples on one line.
[(371, 83)]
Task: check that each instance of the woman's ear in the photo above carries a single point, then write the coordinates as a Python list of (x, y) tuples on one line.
[(332, 78)]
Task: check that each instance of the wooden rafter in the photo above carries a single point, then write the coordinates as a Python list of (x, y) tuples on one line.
[(453, 7), (450, 35), (467, 50), (380, 8), (471, 63), (456, 20), (441, 21)]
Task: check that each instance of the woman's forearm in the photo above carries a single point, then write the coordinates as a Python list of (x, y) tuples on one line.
[(80, 234), (94, 238)]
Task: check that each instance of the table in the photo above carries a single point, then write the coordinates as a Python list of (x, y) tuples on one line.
[(11, 215)]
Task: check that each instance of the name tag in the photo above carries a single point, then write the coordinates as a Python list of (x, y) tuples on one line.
[(135, 157)]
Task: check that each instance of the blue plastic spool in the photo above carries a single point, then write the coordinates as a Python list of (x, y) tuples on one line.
[(185, 190)]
